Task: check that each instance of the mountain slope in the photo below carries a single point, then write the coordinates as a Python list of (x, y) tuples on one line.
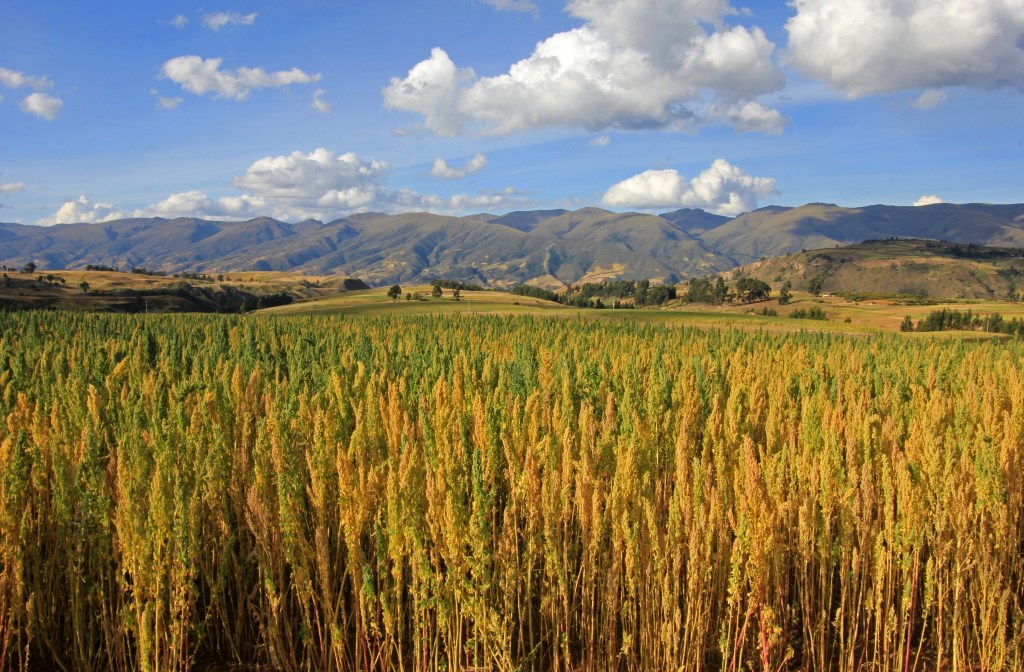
[(923, 268), (694, 221), (773, 231), (559, 246), (550, 247)]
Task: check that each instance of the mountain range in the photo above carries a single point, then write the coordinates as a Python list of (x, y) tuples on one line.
[(545, 247)]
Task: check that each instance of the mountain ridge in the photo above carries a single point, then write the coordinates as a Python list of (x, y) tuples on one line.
[(552, 247)]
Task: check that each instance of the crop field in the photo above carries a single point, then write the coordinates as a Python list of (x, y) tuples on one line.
[(360, 491), (843, 316)]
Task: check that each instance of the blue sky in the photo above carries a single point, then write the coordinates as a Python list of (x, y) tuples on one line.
[(319, 109)]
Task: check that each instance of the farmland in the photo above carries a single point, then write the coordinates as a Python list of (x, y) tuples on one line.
[(428, 492), (862, 316)]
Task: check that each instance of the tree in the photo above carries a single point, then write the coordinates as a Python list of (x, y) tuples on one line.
[(752, 289), (720, 292), (457, 294), (699, 291), (350, 284), (785, 294), (907, 324), (436, 292), (395, 292), (7, 280), (85, 286), (29, 268), (815, 286)]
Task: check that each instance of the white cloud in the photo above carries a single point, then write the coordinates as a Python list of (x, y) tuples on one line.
[(12, 188), (179, 21), (930, 98), (404, 200), (17, 80), (291, 187), (862, 47), (465, 202), (633, 64), (197, 204), (432, 88), (42, 105), (163, 103), (750, 116), (600, 141), (319, 104), (928, 200), (82, 209), (312, 175), (220, 19), (338, 201), (443, 171), (203, 75), (320, 185), (721, 188), (525, 6)]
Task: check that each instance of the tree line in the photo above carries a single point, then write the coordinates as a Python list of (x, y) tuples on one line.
[(745, 290), (948, 319)]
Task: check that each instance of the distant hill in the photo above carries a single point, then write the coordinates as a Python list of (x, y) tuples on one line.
[(900, 267), (772, 231), (694, 221), (550, 248), (555, 247)]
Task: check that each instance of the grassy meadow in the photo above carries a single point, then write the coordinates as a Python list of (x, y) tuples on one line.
[(504, 492)]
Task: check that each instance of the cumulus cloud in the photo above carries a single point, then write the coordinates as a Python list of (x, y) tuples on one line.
[(443, 171), (39, 104), (432, 88), (320, 184), (179, 21), (290, 187), (721, 188), (862, 47), (81, 209), (42, 105), (483, 201), (204, 75), (635, 64), (600, 141), (12, 188), (221, 19), (163, 103), (406, 200), (928, 200), (930, 98), (525, 6), (320, 172), (750, 116), (18, 80), (197, 204), (319, 104)]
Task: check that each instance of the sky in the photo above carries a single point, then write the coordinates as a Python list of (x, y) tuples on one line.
[(318, 109)]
